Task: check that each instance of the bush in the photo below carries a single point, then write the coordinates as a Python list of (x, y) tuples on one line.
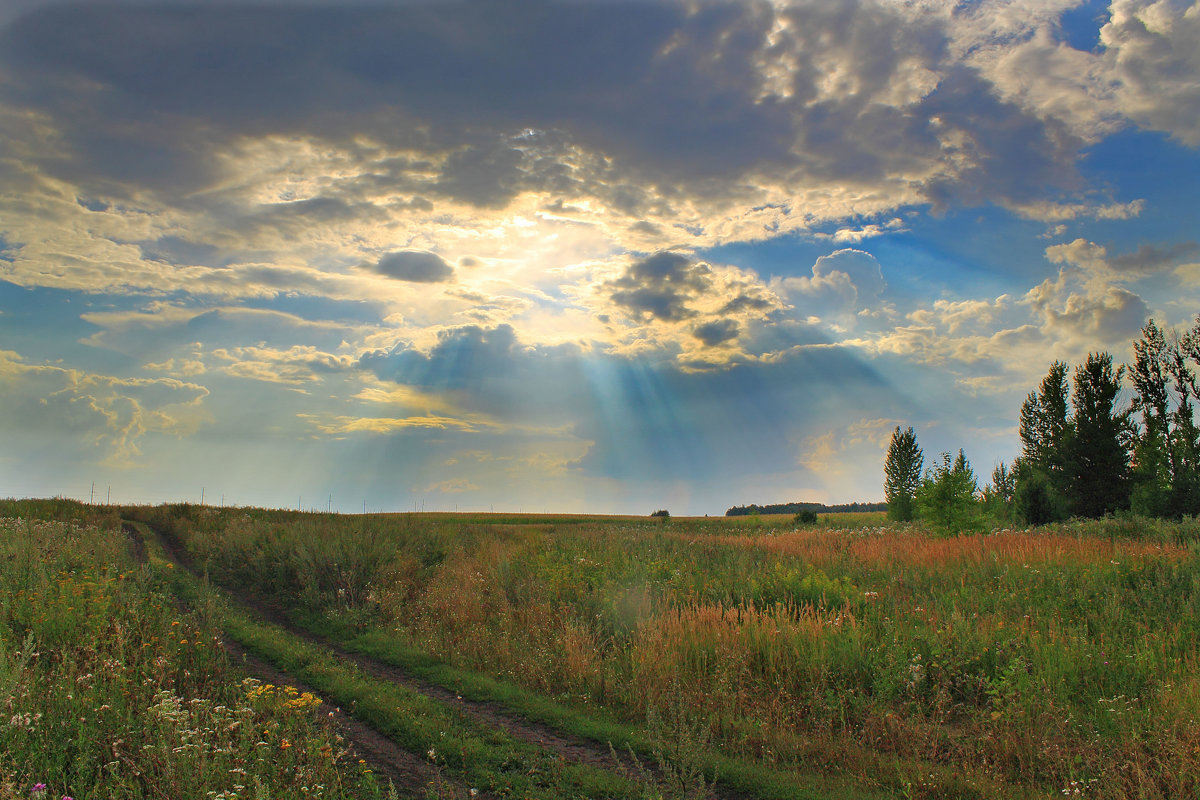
[(805, 517), (662, 512)]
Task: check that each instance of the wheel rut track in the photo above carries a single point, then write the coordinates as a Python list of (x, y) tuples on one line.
[(569, 748), (410, 774)]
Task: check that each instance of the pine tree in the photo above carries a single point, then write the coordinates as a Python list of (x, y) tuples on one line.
[(946, 496), (1045, 427), (1153, 476), (1097, 457), (1184, 438), (902, 474), (1040, 474)]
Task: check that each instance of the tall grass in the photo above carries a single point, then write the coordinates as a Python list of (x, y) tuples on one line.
[(992, 665), (108, 689)]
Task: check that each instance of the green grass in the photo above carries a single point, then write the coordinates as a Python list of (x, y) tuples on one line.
[(994, 666), (108, 689), (484, 758), (651, 745)]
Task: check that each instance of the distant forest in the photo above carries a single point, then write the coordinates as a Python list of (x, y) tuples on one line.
[(796, 508)]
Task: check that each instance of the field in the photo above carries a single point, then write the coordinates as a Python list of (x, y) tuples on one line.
[(570, 656)]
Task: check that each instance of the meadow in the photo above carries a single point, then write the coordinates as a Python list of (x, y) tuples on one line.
[(109, 688), (844, 659)]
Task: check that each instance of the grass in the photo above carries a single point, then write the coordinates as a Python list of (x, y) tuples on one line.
[(108, 689), (847, 659), (482, 757), (1005, 664)]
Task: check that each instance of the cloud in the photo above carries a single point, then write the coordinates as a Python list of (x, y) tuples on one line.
[(1082, 309), (1141, 71), (670, 304), (1154, 48), (114, 414), (418, 266), (342, 424), (716, 332), (831, 452), (1094, 261), (660, 286), (300, 130), (1149, 258), (294, 366), (842, 282), (1111, 316)]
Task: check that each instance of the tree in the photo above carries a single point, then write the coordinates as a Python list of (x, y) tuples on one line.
[(998, 495), (1152, 475), (1033, 500), (1040, 474), (946, 496), (902, 474), (1097, 455), (1045, 426), (1184, 437)]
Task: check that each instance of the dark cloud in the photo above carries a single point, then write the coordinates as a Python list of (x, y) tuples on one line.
[(659, 286), (1150, 258), (463, 356), (1006, 155), (746, 302), (418, 266), (501, 98), (716, 332), (490, 371)]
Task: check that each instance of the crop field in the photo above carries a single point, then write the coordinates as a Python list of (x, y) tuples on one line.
[(573, 656)]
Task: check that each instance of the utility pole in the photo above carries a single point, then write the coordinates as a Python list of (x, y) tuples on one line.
[(201, 495), (92, 499), (108, 502)]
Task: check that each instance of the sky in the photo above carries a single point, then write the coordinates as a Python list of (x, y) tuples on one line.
[(571, 256)]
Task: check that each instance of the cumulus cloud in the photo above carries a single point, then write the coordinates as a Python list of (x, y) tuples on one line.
[(673, 304), (418, 266), (1154, 46), (1142, 70), (842, 282), (831, 451), (1081, 309)]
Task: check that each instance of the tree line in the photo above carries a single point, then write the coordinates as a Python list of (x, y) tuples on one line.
[(1083, 454), (796, 508)]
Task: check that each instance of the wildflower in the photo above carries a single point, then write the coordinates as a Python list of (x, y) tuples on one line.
[(285, 744), (38, 788)]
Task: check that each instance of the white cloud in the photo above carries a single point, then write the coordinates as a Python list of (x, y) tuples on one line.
[(842, 282), (1154, 48)]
